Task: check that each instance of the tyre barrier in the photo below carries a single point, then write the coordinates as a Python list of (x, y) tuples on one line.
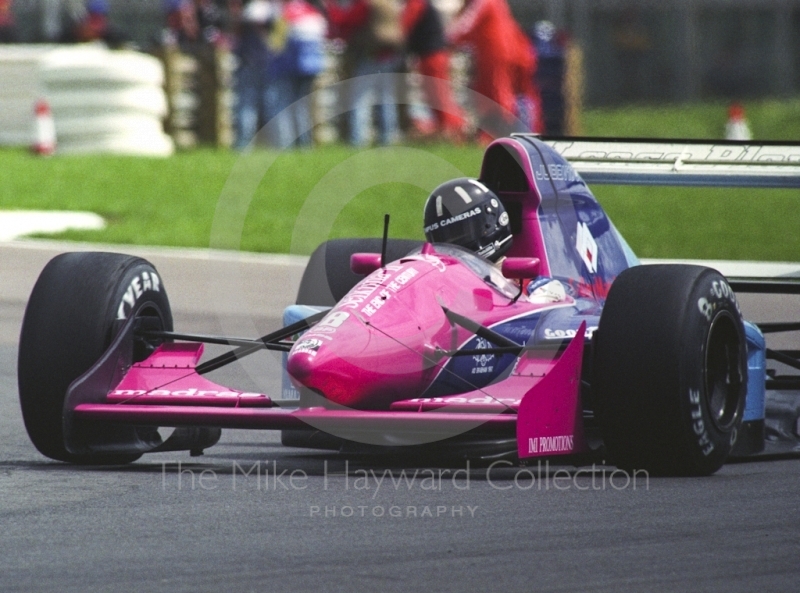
[(20, 91), (102, 101), (106, 101)]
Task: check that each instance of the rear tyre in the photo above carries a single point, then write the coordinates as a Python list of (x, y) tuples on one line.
[(77, 307), (670, 370), (327, 277)]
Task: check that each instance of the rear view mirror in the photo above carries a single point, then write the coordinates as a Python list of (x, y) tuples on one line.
[(521, 268), (365, 263)]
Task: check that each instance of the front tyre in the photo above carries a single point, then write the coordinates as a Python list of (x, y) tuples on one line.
[(670, 370), (77, 307)]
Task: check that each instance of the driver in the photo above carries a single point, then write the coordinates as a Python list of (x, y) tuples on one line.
[(465, 212)]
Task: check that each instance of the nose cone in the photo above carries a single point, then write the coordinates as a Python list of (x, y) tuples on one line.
[(359, 368), (300, 364), (366, 353), (326, 361)]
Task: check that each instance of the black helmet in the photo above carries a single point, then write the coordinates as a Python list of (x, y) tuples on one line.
[(465, 212)]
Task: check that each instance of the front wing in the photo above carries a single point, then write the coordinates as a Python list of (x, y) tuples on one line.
[(538, 403)]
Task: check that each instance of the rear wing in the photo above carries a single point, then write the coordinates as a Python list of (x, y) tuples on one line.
[(697, 163), (700, 163)]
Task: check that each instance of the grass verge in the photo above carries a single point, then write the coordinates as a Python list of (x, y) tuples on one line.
[(173, 201)]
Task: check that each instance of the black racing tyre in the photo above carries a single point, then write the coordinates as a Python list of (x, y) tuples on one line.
[(78, 304), (670, 370), (327, 277)]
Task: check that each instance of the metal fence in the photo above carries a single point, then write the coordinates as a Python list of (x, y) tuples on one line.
[(682, 50)]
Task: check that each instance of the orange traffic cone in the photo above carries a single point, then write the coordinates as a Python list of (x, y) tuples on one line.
[(737, 127), (44, 141)]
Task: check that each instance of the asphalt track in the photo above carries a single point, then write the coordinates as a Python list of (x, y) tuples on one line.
[(170, 522)]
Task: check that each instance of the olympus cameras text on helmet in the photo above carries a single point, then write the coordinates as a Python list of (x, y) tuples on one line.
[(467, 213)]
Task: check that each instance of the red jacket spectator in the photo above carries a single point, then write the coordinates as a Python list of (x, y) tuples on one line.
[(369, 27), (347, 21), (505, 60), (424, 33)]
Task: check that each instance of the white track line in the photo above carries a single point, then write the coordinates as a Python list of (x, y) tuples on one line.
[(19, 223)]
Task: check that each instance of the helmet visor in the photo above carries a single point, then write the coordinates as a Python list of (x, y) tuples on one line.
[(467, 231)]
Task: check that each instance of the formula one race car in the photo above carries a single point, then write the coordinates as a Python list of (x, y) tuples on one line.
[(430, 347)]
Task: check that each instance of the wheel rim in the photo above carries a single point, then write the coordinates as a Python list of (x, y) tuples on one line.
[(723, 372)]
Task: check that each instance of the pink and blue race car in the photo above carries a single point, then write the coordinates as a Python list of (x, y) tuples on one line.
[(400, 345)]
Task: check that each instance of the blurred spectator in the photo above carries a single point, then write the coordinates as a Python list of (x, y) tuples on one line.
[(198, 29), (58, 16), (94, 25), (374, 37), (182, 25), (301, 39), (422, 25), (504, 61), (195, 22), (8, 26), (551, 54), (253, 56), (210, 20)]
